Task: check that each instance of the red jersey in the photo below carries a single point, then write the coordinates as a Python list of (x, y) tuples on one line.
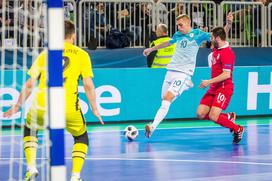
[(222, 59)]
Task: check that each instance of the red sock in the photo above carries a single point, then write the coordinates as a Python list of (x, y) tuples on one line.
[(225, 115), (225, 122)]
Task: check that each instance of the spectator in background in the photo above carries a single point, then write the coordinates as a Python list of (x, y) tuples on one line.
[(141, 21), (218, 1), (198, 15), (35, 18), (158, 12), (160, 58), (68, 11), (98, 23), (6, 21), (257, 19), (179, 9), (141, 15), (122, 16)]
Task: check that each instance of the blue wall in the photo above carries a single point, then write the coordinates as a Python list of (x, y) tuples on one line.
[(133, 57), (130, 57), (134, 94)]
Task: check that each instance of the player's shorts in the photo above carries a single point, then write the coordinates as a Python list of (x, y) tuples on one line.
[(35, 118), (75, 122), (176, 82), (219, 98)]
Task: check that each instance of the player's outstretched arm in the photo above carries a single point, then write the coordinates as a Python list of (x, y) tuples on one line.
[(147, 51), (25, 92), (90, 93)]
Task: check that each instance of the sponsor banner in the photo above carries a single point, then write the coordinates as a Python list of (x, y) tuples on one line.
[(135, 94)]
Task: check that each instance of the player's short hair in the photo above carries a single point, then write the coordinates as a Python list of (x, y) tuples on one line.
[(183, 16), (69, 28), (219, 32), (163, 27)]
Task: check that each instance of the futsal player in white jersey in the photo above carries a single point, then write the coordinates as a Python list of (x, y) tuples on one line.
[(182, 65)]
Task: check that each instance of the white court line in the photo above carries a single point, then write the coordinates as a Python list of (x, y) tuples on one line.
[(162, 160), (111, 131)]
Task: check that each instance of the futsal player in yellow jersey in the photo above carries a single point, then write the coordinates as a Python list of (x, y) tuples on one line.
[(76, 65)]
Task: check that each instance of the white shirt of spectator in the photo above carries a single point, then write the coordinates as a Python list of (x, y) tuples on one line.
[(32, 14), (159, 13), (198, 18), (68, 8)]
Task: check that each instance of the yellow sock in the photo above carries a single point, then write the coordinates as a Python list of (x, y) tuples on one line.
[(78, 155), (30, 148)]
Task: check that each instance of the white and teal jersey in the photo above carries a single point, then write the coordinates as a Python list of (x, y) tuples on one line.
[(187, 45)]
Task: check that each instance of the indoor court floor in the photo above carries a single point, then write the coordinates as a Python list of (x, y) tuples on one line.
[(178, 151)]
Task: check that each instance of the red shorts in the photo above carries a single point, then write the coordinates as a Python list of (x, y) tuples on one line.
[(219, 98)]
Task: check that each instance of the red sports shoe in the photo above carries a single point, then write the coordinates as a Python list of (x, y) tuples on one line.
[(237, 137)]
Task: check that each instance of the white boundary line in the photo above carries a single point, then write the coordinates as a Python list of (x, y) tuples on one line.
[(110, 131), (161, 160)]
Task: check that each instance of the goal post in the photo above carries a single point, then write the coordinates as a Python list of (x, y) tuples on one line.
[(30, 27), (56, 102)]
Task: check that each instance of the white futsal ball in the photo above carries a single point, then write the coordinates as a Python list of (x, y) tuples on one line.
[(131, 132)]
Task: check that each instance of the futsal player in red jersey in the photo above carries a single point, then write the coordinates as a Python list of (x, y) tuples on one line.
[(221, 85)]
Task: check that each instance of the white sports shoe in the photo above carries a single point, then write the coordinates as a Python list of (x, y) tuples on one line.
[(31, 174), (74, 178), (148, 130)]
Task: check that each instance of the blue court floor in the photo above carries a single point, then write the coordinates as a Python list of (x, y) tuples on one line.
[(177, 151)]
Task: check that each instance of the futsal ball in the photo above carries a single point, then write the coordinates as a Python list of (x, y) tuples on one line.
[(131, 132)]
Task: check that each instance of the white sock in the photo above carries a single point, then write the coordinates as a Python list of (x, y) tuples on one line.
[(161, 113), (32, 169), (76, 175)]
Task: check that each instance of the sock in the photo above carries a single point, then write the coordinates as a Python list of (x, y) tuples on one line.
[(228, 116), (225, 122), (78, 155), (32, 169), (76, 175), (30, 148), (161, 113)]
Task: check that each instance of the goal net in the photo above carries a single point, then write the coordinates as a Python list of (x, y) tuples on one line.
[(23, 36)]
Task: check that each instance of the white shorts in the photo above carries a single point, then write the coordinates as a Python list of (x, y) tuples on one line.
[(176, 82)]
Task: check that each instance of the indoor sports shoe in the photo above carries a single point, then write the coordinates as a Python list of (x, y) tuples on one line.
[(237, 137), (31, 175), (148, 130), (75, 179), (232, 118)]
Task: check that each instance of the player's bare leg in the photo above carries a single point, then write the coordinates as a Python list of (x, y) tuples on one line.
[(161, 113), (203, 112), (215, 114)]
